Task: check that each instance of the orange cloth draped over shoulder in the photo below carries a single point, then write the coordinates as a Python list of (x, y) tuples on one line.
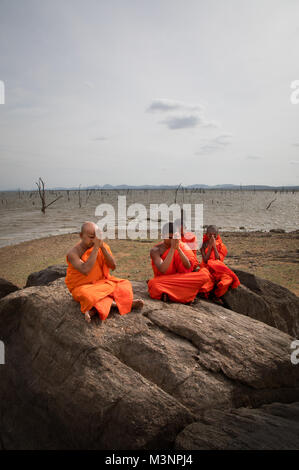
[(222, 275), (179, 283), (191, 240), (99, 288)]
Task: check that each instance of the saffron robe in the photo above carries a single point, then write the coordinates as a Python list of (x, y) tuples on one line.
[(190, 240), (222, 275), (180, 283), (99, 288)]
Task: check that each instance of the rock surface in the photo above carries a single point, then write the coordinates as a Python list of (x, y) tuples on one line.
[(6, 287), (135, 381), (265, 301), (45, 276), (270, 427)]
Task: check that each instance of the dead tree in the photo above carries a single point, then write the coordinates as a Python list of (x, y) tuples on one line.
[(79, 195), (41, 189), (270, 204), (176, 192)]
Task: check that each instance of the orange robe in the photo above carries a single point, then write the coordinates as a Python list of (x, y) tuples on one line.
[(191, 241), (222, 275), (179, 283), (99, 288)]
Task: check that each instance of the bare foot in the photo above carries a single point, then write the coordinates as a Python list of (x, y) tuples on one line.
[(137, 304), (88, 315), (113, 304)]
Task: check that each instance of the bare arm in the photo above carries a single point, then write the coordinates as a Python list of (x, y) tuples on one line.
[(109, 259), (184, 258), (206, 255), (161, 264), (217, 256), (81, 266)]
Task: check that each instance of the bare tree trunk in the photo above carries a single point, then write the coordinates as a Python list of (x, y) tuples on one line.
[(41, 189), (176, 192), (80, 195)]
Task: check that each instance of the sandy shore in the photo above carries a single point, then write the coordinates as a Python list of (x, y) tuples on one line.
[(273, 256)]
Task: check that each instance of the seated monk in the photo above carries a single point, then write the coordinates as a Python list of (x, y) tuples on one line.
[(173, 265), (89, 281), (213, 252)]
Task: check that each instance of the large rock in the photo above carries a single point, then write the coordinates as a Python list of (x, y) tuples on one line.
[(134, 381), (6, 287), (45, 276), (270, 427), (265, 301)]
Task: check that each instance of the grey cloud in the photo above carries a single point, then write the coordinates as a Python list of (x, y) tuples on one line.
[(185, 115), (172, 105), (294, 162), (214, 144), (181, 122), (89, 84)]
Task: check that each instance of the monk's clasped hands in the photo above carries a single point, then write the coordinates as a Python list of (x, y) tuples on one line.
[(98, 241)]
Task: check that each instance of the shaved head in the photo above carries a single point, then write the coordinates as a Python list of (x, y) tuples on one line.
[(88, 227), (212, 229)]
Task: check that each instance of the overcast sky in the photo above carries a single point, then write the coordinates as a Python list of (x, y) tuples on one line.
[(148, 92)]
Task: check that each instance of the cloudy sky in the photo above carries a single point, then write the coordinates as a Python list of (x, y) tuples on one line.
[(148, 92)]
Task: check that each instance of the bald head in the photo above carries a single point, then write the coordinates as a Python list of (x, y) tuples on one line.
[(212, 229), (88, 227), (88, 234)]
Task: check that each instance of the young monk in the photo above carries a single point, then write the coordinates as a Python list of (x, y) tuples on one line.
[(213, 252), (89, 281), (173, 265)]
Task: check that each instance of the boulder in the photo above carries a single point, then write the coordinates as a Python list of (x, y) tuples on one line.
[(45, 276), (265, 301), (6, 287), (270, 427), (133, 381)]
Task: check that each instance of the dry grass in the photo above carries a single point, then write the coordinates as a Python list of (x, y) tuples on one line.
[(270, 255)]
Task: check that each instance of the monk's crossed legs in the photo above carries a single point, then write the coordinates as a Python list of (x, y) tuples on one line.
[(121, 297)]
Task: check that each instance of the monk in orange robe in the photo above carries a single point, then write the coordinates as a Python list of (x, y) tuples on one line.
[(89, 280), (213, 252), (173, 265)]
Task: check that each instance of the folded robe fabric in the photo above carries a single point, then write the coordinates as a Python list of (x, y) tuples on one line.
[(222, 275), (99, 288), (180, 283)]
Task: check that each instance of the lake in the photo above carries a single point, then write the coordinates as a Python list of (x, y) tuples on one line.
[(231, 210)]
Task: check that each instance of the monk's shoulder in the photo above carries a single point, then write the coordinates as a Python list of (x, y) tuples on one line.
[(73, 251), (107, 246), (155, 249)]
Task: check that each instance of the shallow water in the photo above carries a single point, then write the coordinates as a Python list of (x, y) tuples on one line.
[(22, 219)]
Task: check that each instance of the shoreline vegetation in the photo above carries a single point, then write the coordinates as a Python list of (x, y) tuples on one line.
[(270, 255)]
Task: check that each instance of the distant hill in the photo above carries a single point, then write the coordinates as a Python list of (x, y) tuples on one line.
[(250, 187)]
